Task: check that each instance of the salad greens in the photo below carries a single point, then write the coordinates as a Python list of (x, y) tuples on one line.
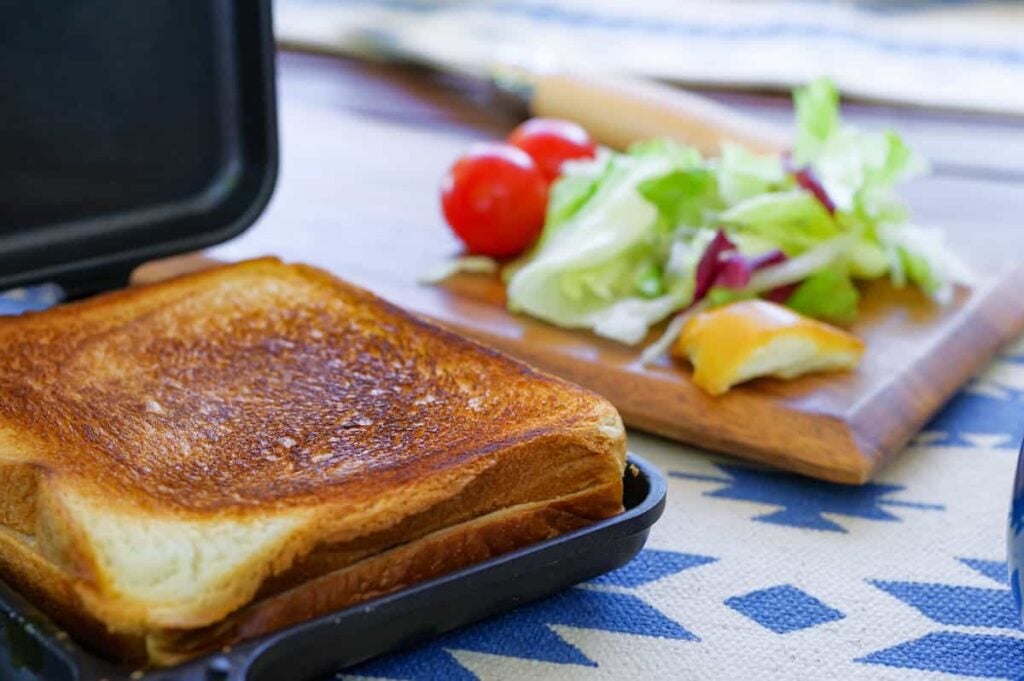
[(632, 238)]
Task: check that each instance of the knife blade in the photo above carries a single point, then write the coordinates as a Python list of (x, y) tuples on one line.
[(617, 110)]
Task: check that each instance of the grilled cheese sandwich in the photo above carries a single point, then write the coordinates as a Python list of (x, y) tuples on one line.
[(207, 459)]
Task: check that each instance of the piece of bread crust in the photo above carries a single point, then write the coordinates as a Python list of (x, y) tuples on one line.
[(434, 555), (169, 453)]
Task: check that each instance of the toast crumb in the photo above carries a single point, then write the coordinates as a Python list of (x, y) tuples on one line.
[(633, 470)]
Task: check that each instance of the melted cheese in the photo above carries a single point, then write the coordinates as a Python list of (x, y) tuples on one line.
[(738, 342)]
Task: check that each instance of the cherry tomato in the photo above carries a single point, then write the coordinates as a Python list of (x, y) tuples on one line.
[(494, 199), (550, 142)]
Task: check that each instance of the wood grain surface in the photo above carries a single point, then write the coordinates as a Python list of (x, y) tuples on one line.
[(363, 150)]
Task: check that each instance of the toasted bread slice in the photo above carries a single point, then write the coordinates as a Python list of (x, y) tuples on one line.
[(171, 453), (751, 338)]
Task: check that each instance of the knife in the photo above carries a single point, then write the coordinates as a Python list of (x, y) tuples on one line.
[(616, 110)]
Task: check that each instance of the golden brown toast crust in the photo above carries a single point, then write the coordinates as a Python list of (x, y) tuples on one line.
[(431, 556), (260, 384), (264, 393), (428, 557), (19, 483), (53, 591)]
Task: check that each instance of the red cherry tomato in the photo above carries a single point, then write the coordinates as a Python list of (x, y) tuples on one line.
[(550, 142), (494, 199)]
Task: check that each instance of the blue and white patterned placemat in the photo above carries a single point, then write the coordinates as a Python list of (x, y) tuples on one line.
[(753, 574), (16, 301), (951, 53)]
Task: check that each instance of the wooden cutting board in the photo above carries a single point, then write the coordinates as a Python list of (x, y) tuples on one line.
[(835, 427), (361, 160), (838, 427)]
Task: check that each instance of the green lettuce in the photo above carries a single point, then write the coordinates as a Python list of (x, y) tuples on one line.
[(828, 294), (572, 190), (624, 232), (743, 175), (593, 265), (792, 221), (860, 170)]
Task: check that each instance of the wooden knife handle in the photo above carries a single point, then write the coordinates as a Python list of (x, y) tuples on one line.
[(618, 112), (167, 268)]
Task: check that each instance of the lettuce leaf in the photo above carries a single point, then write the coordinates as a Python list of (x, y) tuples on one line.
[(817, 119), (721, 295), (921, 257), (584, 273), (792, 221), (577, 184), (665, 149), (742, 174), (857, 168), (867, 259), (828, 294), (649, 281), (683, 197)]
